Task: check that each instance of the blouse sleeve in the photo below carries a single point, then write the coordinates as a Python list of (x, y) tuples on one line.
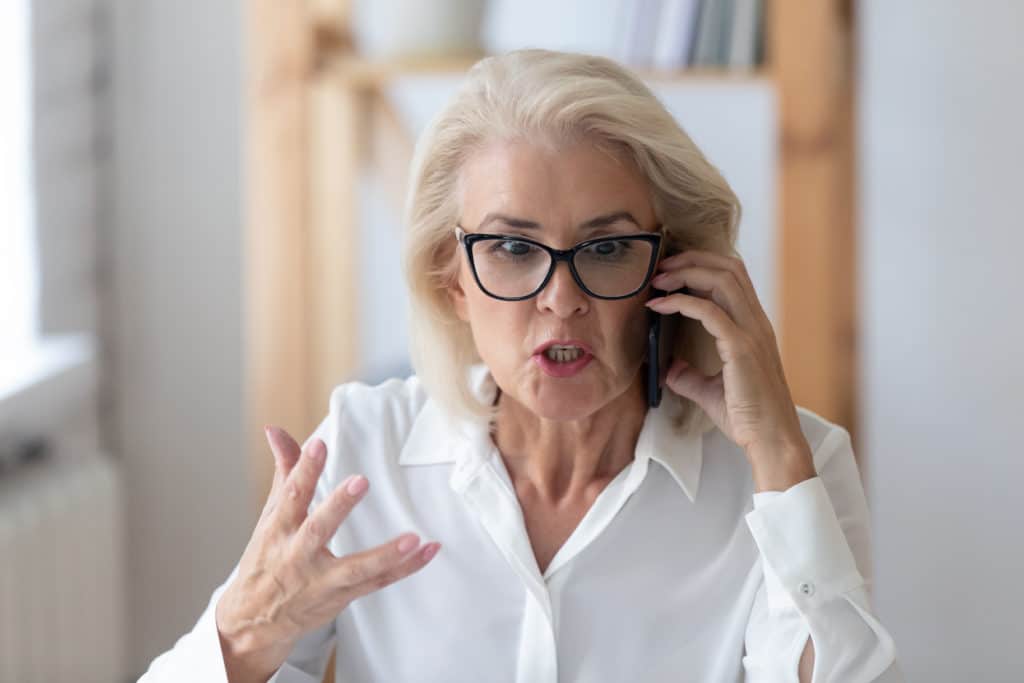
[(197, 656), (815, 545)]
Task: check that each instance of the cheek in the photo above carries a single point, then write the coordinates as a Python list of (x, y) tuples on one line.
[(496, 324)]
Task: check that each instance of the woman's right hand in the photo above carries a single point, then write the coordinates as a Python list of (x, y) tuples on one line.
[(288, 582)]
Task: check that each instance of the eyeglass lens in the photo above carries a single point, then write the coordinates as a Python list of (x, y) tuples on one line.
[(512, 268)]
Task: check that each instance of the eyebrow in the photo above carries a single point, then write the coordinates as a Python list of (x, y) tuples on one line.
[(594, 223)]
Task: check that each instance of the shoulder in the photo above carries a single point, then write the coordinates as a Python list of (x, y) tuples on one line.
[(392, 404), (366, 426)]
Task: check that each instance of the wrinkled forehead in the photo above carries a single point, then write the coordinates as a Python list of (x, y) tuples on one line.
[(567, 191)]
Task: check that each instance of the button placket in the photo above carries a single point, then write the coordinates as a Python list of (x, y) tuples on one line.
[(502, 518)]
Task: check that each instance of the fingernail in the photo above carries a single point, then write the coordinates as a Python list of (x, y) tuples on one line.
[(431, 550), (408, 542), (654, 303), (317, 452), (357, 485)]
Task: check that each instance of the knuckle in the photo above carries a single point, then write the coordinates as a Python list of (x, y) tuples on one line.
[(744, 343), (380, 581), (316, 530), (731, 279), (307, 469), (351, 573)]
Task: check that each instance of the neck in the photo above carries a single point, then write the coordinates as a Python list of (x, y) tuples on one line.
[(565, 458)]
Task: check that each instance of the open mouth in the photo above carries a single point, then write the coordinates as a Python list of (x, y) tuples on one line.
[(563, 354)]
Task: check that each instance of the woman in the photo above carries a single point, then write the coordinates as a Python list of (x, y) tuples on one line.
[(578, 529)]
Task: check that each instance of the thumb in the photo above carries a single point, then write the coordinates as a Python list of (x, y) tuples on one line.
[(686, 381)]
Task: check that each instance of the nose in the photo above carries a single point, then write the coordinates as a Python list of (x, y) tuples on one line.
[(561, 295)]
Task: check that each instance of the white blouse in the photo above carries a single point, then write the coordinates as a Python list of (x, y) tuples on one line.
[(678, 572)]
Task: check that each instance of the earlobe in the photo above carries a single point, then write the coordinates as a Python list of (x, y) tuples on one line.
[(458, 298)]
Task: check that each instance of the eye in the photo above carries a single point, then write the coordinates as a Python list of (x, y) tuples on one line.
[(514, 247), (511, 250), (610, 249)]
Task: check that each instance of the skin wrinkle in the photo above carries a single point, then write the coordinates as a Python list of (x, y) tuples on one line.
[(562, 439)]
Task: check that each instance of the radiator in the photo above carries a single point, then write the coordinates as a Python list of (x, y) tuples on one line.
[(61, 573)]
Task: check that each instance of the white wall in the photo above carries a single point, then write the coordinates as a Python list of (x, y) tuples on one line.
[(177, 329), (942, 148)]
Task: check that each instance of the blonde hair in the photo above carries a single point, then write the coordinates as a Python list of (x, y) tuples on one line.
[(551, 98)]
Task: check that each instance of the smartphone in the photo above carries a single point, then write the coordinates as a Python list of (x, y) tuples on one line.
[(653, 358), (655, 355)]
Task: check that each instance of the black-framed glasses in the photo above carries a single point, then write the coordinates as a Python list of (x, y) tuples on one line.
[(513, 268)]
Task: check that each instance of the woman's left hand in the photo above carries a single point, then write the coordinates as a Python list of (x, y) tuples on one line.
[(749, 399)]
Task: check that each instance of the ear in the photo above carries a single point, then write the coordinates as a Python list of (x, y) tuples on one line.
[(457, 295)]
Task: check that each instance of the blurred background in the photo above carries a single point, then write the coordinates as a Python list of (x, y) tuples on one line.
[(201, 210)]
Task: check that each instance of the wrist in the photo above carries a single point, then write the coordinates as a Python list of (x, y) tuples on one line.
[(250, 654), (781, 467)]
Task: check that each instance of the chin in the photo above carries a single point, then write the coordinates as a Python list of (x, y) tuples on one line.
[(558, 399), (560, 411)]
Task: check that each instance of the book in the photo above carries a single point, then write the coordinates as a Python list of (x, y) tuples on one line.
[(677, 26), (746, 27), (640, 25)]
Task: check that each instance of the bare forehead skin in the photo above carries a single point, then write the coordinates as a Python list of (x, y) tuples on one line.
[(559, 189)]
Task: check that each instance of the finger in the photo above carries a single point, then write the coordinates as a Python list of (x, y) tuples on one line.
[(300, 485), (321, 525), (372, 565), (411, 564), (286, 453), (691, 383), (711, 316), (285, 450), (722, 285), (736, 266)]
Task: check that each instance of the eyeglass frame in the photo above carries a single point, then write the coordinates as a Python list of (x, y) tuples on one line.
[(466, 239)]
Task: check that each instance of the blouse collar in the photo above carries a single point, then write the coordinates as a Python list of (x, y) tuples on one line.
[(437, 438)]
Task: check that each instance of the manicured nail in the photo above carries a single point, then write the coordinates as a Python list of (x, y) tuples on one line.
[(408, 542), (317, 451), (357, 485)]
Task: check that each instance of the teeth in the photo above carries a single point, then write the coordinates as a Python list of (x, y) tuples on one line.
[(563, 354)]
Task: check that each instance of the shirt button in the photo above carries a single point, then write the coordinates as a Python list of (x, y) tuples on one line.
[(807, 588)]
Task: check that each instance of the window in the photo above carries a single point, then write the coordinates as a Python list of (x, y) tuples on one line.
[(18, 277)]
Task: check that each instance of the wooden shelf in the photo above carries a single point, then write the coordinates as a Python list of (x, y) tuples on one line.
[(362, 72)]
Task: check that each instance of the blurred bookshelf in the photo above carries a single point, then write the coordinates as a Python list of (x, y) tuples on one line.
[(319, 113), (362, 72)]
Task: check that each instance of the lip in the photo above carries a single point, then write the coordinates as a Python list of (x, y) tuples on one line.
[(553, 369), (587, 351)]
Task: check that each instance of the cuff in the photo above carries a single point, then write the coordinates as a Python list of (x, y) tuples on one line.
[(206, 644), (290, 674), (805, 555)]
